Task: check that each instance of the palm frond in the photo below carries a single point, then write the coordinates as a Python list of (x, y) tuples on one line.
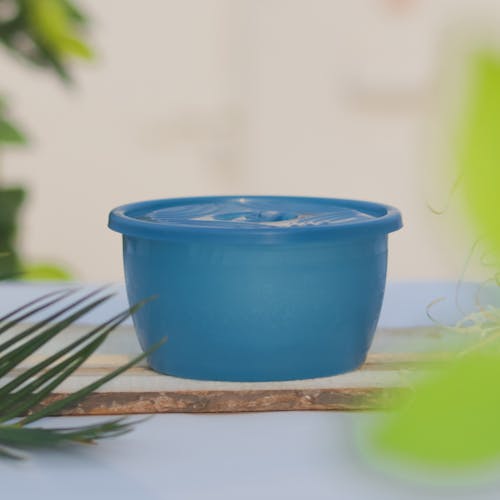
[(27, 305), (22, 397), (15, 438)]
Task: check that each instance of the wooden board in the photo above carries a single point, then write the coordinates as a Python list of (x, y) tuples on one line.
[(395, 357)]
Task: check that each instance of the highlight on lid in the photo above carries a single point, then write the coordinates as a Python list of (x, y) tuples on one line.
[(259, 213)]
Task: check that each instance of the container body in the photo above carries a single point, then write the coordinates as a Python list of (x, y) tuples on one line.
[(250, 312)]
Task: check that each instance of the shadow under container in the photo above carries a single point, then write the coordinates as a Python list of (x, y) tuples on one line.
[(256, 288)]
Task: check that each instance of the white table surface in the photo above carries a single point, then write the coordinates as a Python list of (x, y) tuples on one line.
[(286, 455)]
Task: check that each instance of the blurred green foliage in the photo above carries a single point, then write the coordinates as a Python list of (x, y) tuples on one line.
[(479, 146), (452, 419), (10, 202), (10, 133), (46, 272), (46, 33)]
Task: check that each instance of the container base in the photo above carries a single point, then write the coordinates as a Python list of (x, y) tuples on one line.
[(255, 376)]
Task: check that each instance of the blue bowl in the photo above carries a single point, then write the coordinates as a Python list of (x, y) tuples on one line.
[(256, 288)]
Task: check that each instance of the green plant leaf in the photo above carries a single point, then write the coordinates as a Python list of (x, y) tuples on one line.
[(17, 355), (47, 34), (451, 423), (21, 400), (54, 24), (106, 327), (9, 134), (71, 45), (75, 13), (6, 452), (27, 308), (45, 272), (48, 320), (57, 406), (478, 146), (14, 436), (24, 393), (37, 390)]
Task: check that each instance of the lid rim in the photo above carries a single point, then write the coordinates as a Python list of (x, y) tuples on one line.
[(121, 222)]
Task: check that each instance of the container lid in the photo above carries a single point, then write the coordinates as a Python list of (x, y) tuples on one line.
[(258, 219)]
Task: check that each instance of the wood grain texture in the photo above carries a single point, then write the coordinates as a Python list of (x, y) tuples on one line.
[(114, 403)]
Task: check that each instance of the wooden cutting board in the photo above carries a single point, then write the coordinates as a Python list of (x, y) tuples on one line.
[(392, 363)]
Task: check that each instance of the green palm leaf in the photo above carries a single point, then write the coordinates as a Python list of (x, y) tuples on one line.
[(22, 397)]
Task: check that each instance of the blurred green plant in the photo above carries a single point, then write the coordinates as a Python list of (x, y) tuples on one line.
[(47, 34), (10, 198), (10, 133), (451, 421), (479, 146), (46, 272)]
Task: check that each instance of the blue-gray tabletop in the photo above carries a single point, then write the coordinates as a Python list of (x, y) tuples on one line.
[(285, 455)]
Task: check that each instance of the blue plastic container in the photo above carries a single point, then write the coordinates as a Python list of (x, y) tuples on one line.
[(256, 288)]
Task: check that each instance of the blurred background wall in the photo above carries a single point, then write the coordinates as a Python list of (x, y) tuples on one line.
[(195, 97)]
